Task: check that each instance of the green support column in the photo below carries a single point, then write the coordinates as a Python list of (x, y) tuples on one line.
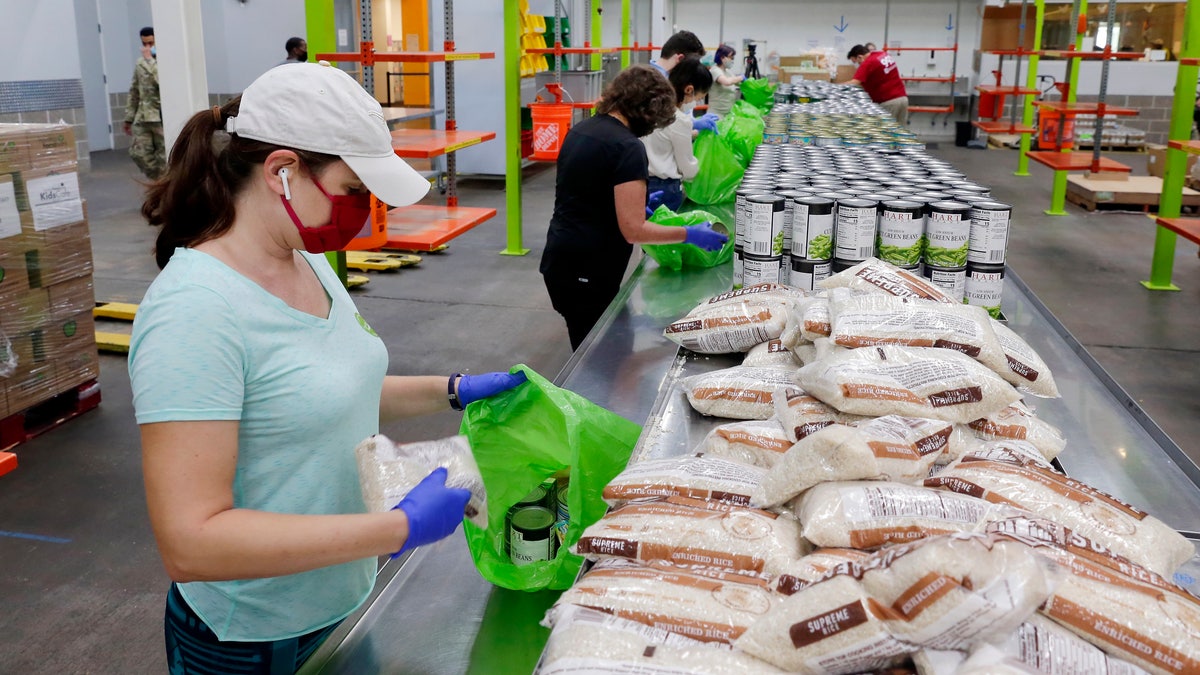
[(1058, 198), (625, 33), (1170, 203), (1031, 82), (321, 35), (512, 129), (597, 32)]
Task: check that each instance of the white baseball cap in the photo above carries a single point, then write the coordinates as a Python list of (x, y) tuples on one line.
[(315, 107)]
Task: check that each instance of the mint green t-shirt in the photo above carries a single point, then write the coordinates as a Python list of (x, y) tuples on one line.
[(209, 344)]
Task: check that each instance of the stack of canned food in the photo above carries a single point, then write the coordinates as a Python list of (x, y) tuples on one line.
[(805, 212), (537, 524)]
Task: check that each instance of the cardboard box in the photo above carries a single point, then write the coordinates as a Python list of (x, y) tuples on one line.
[(14, 148), (1156, 160), (72, 297), (51, 145), (803, 61), (69, 334), (5, 411), (29, 387), (23, 351), (14, 280), (10, 215), (25, 312), (55, 236), (77, 367), (845, 73), (52, 195), (66, 260)]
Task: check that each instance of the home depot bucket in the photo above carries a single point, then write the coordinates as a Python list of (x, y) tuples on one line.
[(1048, 137), (374, 233), (551, 121)]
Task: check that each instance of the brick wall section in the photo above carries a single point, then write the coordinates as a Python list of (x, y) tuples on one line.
[(1154, 113)]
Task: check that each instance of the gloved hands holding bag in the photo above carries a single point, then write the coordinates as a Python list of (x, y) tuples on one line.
[(434, 511), (471, 388), (704, 236), (706, 123)]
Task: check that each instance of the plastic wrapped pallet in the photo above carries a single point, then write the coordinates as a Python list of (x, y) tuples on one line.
[(770, 354), (913, 381), (740, 393), (735, 321), (869, 514), (884, 448), (685, 532), (815, 566), (801, 414), (1017, 422), (697, 476), (1025, 368), (875, 276), (1091, 513), (709, 608), (1121, 607), (387, 471), (756, 442), (589, 641)]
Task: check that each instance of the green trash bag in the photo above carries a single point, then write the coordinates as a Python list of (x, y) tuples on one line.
[(678, 256), (759, 93), (720, 171), (742, 131), (520, 438)]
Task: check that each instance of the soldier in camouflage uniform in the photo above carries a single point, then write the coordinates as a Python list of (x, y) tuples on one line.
[(143, 112)]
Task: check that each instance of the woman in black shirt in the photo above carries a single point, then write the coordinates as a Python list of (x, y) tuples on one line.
[(600, 197)]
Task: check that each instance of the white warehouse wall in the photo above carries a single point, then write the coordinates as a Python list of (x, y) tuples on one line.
[(37, 41), (242, 40)]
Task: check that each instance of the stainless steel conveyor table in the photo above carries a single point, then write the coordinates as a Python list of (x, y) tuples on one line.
[(433, 613)]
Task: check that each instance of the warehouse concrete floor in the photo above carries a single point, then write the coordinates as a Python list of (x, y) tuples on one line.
[(82, 588)]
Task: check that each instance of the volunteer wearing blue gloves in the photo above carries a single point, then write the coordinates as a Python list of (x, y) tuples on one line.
[(254, 376), (600, 200)]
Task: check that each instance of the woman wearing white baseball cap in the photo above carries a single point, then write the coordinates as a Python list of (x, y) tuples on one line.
[(254, 376)]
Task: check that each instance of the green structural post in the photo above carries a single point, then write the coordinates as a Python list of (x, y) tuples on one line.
[(597, 31), (1058, 198), (321, 35), (512, 129), (1169, 205), (625, 33), (1031, 82)]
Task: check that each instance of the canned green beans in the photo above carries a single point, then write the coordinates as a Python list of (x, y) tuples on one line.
[(901, 232), (531, 537), (952, 280), (988, 243), (812, 228), (984, 287), (857, 220), (947, 229)]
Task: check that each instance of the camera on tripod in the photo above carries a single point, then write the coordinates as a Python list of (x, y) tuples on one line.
[(750, 68)]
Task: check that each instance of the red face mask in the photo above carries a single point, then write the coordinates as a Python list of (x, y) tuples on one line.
[(350, 215)]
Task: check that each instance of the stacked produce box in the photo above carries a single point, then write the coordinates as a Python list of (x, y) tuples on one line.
[(47, 335)]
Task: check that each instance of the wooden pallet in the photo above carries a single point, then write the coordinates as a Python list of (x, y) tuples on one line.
[(24, 425), (1138, 192)]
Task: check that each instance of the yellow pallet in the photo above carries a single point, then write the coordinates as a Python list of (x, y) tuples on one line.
[(356, 280), (367, 261), (117, 343), (121, 311)]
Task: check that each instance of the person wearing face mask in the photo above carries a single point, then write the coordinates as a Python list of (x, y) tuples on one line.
[(724, 92), (600, 200), (254, 376), (143, 112), (297, 51), (669, 150), (675, 49)]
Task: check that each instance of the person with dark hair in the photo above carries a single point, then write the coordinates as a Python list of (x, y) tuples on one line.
[(724, 91), (297, 50), (678, 47), (600, 200), (870, 47), (879, 75), (254, 376), (143, 111), (669, 150)]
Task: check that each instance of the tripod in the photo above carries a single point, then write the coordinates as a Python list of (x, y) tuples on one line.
[(750, 65)]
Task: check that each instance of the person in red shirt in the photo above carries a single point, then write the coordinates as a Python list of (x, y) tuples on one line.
[(879, 75)]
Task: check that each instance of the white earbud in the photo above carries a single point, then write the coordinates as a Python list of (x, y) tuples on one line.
[(287, 191)]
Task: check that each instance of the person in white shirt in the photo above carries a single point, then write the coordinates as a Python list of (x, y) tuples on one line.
[(669, 150), (724, 92)]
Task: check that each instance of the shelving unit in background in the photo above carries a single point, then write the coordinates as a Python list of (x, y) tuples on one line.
[(952, 79), (992, 96), (425, 227)]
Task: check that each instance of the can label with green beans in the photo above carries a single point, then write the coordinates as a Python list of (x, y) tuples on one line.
[(989, 233), (812, 228), (952, 280), (901, 232), (806, 273), (857, 220), (985, 287), (757, 269), (764, 225), (739, 268), (947, 230)]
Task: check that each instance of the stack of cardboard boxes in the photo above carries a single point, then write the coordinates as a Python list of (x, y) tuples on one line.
[(47, 334)]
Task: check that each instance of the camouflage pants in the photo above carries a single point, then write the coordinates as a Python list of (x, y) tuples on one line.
[(148, 150)]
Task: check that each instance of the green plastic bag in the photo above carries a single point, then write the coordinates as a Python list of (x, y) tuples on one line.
[(720, 171), (742, 131), (759, 93), (678, 256), (520, 438)]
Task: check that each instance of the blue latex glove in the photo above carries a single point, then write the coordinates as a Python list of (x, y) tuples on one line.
[(474, 387), (434, 510), (706, 123), (703, 236), (653, 202)]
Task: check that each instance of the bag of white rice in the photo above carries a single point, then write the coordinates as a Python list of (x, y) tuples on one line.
[(814, 318), (869, 514), (940, 662), (832, 626), (1022, 453), (801, 415), (589, 641), (1128, 611), (814, 567), (696, 476), (1026, 370), (709, 608), (772, 353), (387, 471), (1017, 422), (875, 319), (912, 381), (735, 321), (875, 276), (756, 442), (805, 353), (890, 448), (951, 592), (685, 532), (1042, 647), (740, 393), (1091, 513)]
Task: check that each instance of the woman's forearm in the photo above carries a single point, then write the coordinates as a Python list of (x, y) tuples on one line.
[(412, 396)]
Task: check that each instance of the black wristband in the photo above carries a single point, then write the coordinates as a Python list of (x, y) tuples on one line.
[(451, 394)]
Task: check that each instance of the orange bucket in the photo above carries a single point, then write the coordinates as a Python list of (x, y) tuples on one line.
[(1048, 135), (551, 121), (374, 233)]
